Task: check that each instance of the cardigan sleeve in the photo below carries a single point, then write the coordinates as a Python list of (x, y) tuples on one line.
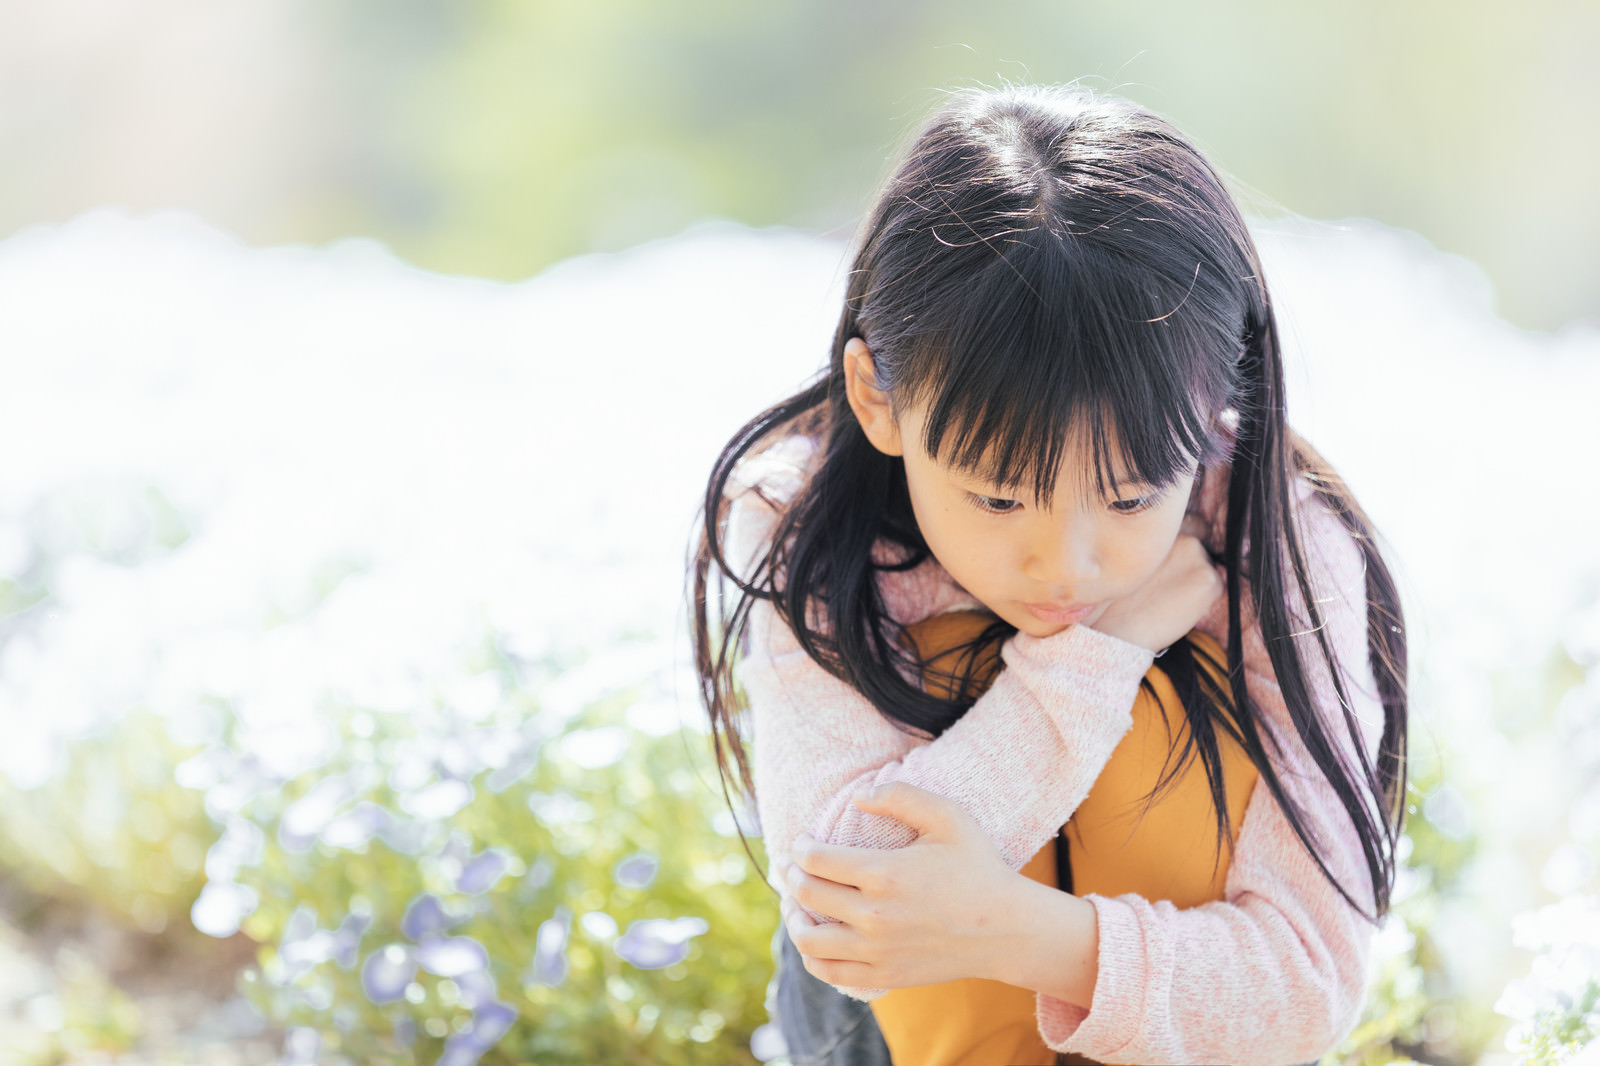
[(1277, 971), (1019, 761)]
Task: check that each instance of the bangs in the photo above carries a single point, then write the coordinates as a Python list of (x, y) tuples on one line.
[(1057, 344)]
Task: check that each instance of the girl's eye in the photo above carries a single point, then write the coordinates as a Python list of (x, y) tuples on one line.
[(994, 504), (1134, 506)]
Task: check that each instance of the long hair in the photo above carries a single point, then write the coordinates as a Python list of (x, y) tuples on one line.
[(1045, 262)]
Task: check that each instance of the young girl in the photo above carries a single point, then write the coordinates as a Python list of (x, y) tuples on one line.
[(1055, 409)]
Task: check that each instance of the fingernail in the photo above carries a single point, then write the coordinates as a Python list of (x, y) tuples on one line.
[(793, 876)]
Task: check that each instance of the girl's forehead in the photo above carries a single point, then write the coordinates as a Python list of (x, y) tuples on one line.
[(1086, 470)]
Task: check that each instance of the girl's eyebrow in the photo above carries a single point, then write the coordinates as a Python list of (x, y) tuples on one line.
[(981, 484)]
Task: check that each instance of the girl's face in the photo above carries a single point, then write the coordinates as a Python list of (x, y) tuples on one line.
[(1039, 569), (1042, 570)]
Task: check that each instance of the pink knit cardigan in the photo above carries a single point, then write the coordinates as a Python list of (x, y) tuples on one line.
[(1274, 974)]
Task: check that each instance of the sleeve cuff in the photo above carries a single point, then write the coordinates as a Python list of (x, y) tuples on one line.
[(1118, 1008), (1079, 664)]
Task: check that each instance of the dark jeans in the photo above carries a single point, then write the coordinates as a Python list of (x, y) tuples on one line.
[(822, 1027)]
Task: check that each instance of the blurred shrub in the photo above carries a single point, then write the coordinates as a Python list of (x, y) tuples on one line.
[(1557, 1006), (112, 829), (448, 887), (1408, 983), (88, 807)]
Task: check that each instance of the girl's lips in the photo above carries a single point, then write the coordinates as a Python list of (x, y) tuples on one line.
[(1060, 616)]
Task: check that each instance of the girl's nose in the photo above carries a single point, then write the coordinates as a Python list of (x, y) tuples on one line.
[(1067, 557)]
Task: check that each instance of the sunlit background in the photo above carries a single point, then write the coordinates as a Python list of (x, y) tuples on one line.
[(347, 489)]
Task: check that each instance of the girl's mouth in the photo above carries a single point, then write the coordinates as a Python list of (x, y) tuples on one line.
[(1055, 614)]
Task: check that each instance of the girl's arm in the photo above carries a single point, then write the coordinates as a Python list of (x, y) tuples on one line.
[(1020, 760), (1277, 972)]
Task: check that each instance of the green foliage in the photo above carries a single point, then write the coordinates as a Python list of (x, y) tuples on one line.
[(1554, 1034), (564, 830)]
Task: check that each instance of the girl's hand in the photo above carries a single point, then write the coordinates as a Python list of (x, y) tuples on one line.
[(936, 910), (1171, 601)]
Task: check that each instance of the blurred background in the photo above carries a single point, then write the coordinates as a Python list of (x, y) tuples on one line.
[(493, 139), (362, 363)]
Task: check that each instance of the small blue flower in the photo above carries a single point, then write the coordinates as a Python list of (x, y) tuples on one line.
[(480, 872), (347, 939), (387, 973), (550, 949), (521, 763), (490, 1022), (460, 1051), (477, 987), (656, 942), (305, 818), (452, 956), (425, 916), (355, 827), (304, 946), (637, 870), (301, 924)]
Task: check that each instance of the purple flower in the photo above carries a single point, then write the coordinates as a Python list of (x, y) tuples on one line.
[(550, 949), (477, 987), (355, 827), (481, 872), (425, 917), (451, 956), (520, 764), (387, 973), (347, 939), (304, 946), (637, 870), (656, 942), (301, 924), (305, 817), (460, 1051), (490, 1022)]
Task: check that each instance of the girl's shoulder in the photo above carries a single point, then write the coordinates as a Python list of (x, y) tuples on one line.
[(761, 486), (776, 471), (1333, 558), (1335, 570)]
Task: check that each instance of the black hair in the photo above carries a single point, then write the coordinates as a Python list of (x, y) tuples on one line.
[(1045, 262)]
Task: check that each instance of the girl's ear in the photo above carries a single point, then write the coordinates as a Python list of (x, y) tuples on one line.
[(870, 403)]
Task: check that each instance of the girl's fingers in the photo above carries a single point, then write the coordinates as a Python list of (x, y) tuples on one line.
[(822, 895), (840, 972), (829, 941), (834, 862)]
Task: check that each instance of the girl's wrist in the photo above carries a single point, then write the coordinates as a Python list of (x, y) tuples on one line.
[(1051, 945)]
